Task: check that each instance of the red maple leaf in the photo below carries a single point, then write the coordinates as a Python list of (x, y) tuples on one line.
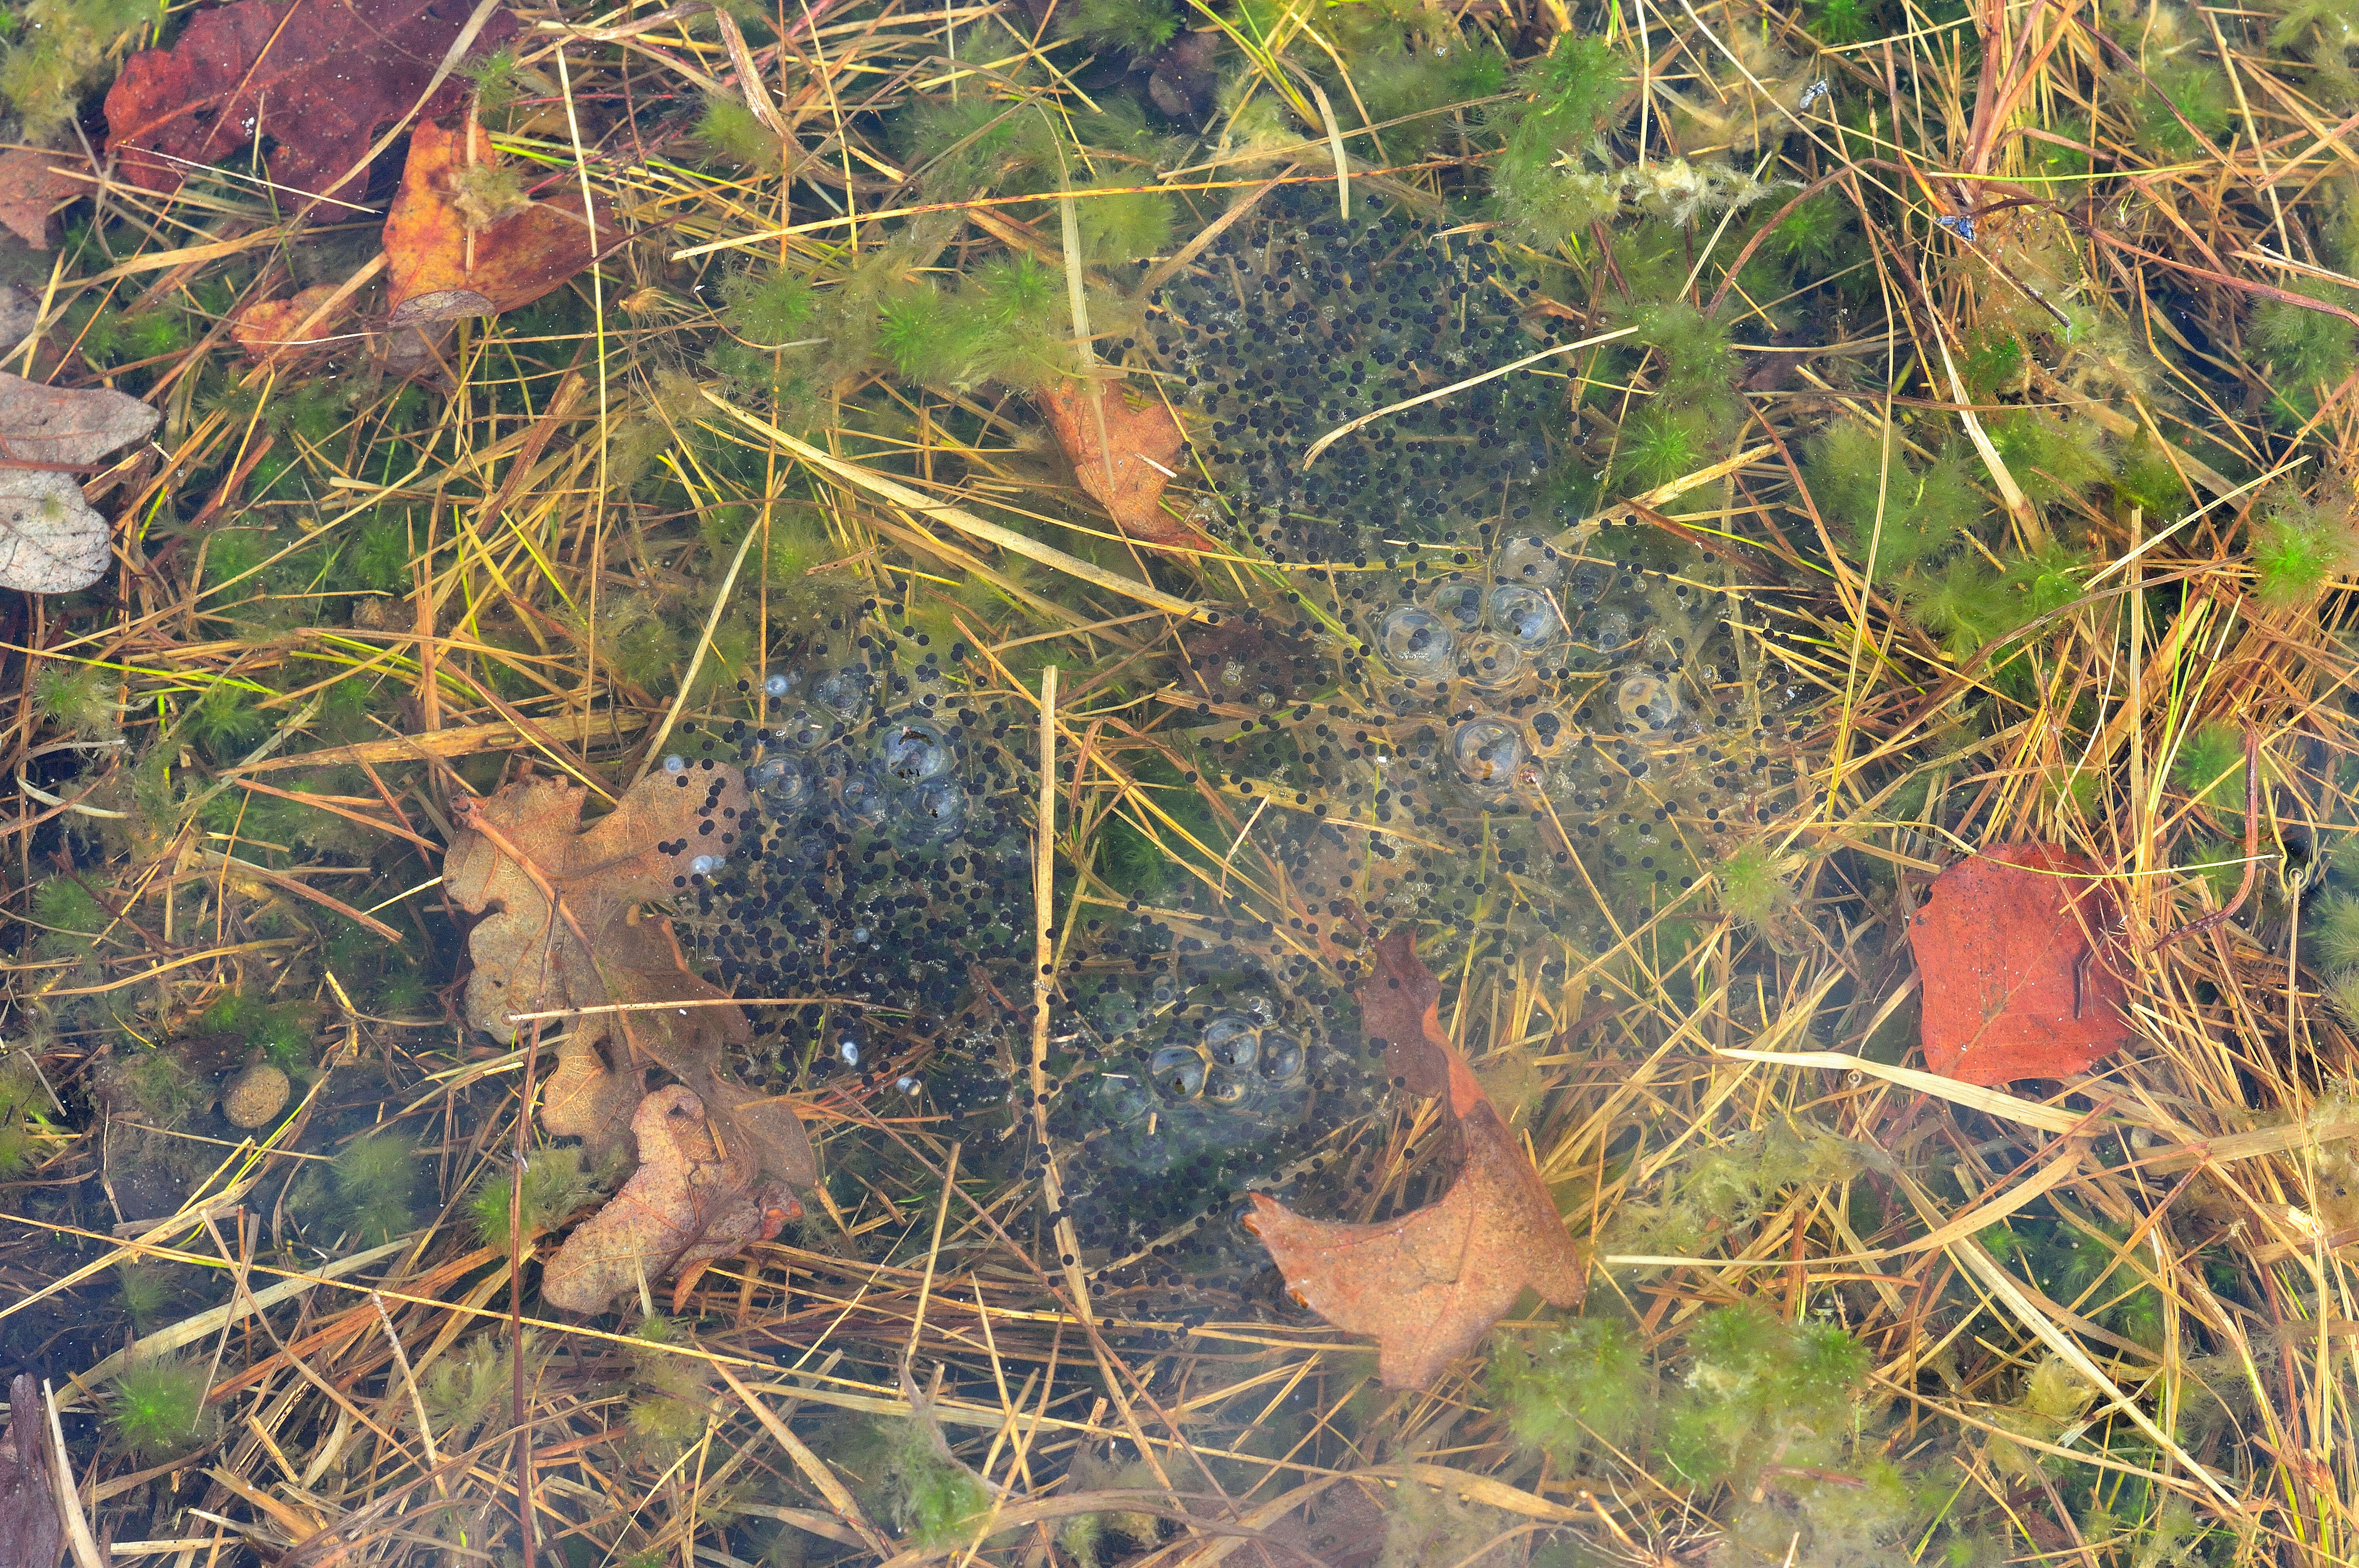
[(2013, 949)]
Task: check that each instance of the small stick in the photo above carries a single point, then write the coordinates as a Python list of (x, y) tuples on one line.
[(2252, 848), (515, 1308), (1044, 954)]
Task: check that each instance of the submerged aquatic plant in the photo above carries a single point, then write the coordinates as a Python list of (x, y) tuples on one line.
[(157, 1407)]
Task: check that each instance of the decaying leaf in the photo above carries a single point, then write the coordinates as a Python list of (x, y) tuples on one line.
[(267, 327), (50, 540), (2013, 947), (1428, 1285), (451, 252), (33, 184), (319, 79), (562, 928), (1144, 440), (30, 1529), (695, 1199)]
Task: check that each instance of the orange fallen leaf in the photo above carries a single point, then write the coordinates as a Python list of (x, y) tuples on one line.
[(695, 1199), (33, 185), (2012, 947), (1145, 442), (440, 269), (563, 928), (267, 327), (1428, 1285)]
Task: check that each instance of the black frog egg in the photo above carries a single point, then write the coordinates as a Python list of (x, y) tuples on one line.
[(1229, 1039), (1178, 1071), (1224, 1088), (1260, 1009), (1588, 581), (1552, 731), (1525, 617), (1488, 750), (1116, 1013), (1416, 642), (913, 749), (1646, 703)]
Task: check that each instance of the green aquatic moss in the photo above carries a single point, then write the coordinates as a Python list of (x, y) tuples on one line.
[(157, 1407), (1588, 1380), (2298, 549), (2210, 766), (556, 1182), (1132, 26), (374, 1178), (80, 700)]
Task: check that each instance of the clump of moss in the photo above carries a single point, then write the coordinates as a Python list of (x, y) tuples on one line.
[(2048, 457), (1005, 323), (768, 309), (158, 1088), (472, 1384), (281, 1031), (1132, 26), (78, 699), (2303, 350), (1567, 98), (2299, 548), (1895, 512), (224, 721), (1588, 1379), (70, 913), (367, 1190), (734, 132), (668, 1407), (61, 52), (937, 1501), (1755, 885), (157, 1407), (555, 1184), (1761, 1385), (20, 1093), (2210, 767), (143, 1290)]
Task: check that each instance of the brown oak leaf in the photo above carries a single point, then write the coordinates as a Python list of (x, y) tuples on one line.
[(2013, 948), (563, 928), (442, 269), (33, 185), (51, 541), (319, 79), (695, 1197), (1145, 441), (1428, 1285)]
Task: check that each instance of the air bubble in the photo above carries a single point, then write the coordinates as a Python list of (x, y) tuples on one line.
[(703, 866), (675, 764), (778, 685), (849, 1049)]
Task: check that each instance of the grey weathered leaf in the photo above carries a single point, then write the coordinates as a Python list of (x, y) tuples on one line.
[(31, 1531), (50, 539)]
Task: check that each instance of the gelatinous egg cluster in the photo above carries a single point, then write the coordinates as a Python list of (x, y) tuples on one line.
[(889, 859), (1295, 321), (1207, 1077)]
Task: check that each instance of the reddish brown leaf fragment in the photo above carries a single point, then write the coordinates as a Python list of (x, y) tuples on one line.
[(1428, 1285), (33, 184), (1400, 1005), (693, 1199), (440, 269), (320, 78), (30, 1529), (267, 327), (2013, 947), (1145, 442)]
